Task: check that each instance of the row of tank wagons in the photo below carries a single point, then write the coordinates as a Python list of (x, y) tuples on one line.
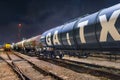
[(28, 44), (95, 32), (35, 46), (99, 31)]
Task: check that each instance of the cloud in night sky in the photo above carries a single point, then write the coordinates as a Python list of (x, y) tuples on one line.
[(37, 16)]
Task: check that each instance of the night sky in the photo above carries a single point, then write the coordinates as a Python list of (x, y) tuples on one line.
[(37, 16)]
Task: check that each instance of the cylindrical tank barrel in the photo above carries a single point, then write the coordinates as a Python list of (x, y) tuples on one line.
[(98, 31)]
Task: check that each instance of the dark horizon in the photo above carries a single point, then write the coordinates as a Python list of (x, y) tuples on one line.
[(37, 16)]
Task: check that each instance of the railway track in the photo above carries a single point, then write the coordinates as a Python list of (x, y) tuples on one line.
[(65, 73), (16, 70), (100, 56), (28, 71), (108, 57), (7, 73), (96, 70), (36, 72)]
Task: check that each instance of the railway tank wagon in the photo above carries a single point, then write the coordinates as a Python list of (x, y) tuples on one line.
[(99, 31), (28, 45), (19, 46), (32, 43)]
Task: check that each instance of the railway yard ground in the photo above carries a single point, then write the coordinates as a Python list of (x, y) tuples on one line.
[(17, 66), (96, 61), (6, 73)]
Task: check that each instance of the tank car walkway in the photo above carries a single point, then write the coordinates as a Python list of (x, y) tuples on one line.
[(105, 63)]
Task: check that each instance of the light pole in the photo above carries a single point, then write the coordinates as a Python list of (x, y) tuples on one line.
[(19, 31)]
